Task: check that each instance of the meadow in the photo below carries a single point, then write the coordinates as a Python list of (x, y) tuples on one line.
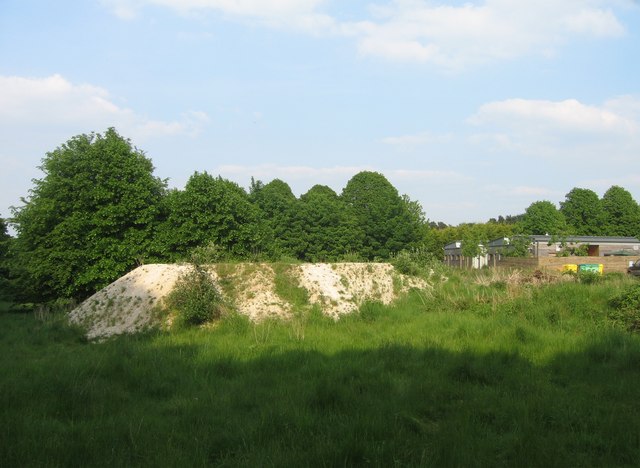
[(480, 371)]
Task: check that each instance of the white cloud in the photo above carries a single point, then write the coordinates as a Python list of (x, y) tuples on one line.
[(450, 37), (296, 14), (55, 103), (566, 130), (454, 37)]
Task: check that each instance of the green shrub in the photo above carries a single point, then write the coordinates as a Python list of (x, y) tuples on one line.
[(626, 308), (196, 298), (371, 311), (589, 277)]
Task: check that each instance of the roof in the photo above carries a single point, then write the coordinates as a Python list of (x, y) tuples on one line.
[(587, 239), (504, 241)]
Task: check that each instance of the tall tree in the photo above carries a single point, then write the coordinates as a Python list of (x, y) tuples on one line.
[(210, 210), (583, 212), (90, 218), (542, 217), (278, 206), (325, 229), (622, 215), (4, 260), (388, 222)]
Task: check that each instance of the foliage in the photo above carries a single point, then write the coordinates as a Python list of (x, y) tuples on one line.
[(388, 221), (583, 212), (196, 298), (542, 217), (414, 262), (90, 218), (5, 240), (626, 308), (210, 209), (589, 277), (622, 214), (323, 226), (278, 206), (519, 246)]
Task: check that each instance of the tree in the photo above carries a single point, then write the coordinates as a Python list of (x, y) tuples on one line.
[(5, 239), (210, 210), (583, 212), (542, 217), (90, 219), (278, 206), (324, 228), (389, 223), (622, 215)]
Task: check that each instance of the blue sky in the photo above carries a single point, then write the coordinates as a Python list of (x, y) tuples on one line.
[(475, 109)]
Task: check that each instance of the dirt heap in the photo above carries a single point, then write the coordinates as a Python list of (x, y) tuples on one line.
[(136, 301)]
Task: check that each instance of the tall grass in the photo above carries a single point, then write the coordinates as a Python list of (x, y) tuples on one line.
[(479, 372)]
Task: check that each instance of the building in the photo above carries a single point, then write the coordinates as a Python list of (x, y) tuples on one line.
[(548, 252), (453, 256), (563, 246)]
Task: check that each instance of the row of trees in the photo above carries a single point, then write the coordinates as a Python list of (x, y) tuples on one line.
[(99, 211), (584, 213)]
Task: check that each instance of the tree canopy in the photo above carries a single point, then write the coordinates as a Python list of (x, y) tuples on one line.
[(542, 217), (98, 211), (5, 239), (389, 222), (622, 215), (278, 206), (583, 212), (324, 227), (90, 218), (210, 210)]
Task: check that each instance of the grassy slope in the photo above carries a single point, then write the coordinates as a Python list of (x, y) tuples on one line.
[(473, 376)]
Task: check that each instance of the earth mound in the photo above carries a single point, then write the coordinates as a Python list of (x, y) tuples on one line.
[(136, 301)]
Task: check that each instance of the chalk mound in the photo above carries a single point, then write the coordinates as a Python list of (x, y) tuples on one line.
[(135, 302)]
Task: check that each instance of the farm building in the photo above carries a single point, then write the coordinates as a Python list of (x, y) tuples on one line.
[(453, 256), (549, 251), (557, 246)]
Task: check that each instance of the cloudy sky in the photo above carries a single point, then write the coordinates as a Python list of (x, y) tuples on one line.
[(474, 108)]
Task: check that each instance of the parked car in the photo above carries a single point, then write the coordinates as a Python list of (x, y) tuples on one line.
[(634, 269)]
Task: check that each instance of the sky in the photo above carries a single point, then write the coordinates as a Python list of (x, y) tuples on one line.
[(475, 109)]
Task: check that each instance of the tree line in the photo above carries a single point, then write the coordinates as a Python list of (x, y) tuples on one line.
[(99, 211)]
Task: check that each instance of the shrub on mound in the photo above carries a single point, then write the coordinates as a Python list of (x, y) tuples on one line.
[(196, 297)]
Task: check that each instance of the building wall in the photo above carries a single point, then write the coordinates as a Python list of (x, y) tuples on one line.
[(544, 250), (611, 264)]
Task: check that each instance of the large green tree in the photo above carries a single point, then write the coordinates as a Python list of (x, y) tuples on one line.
[(210, 210), (583, 212), (542, 217), (622, 215), (90, 218), (5, 239), (324, 228), (389, 222), (278, 206)]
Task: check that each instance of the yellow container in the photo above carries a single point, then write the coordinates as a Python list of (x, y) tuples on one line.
[(567, 267)]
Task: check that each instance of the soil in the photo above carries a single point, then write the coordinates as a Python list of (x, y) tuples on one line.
[(135, 302)]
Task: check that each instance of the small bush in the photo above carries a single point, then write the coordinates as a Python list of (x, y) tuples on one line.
[(589, 277), (414, 262), (196, 298), (371, 311), (626, 308)]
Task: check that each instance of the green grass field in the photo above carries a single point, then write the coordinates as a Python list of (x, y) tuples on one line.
[(471, 374)]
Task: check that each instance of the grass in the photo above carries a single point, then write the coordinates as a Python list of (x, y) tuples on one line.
[(476, 373)]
